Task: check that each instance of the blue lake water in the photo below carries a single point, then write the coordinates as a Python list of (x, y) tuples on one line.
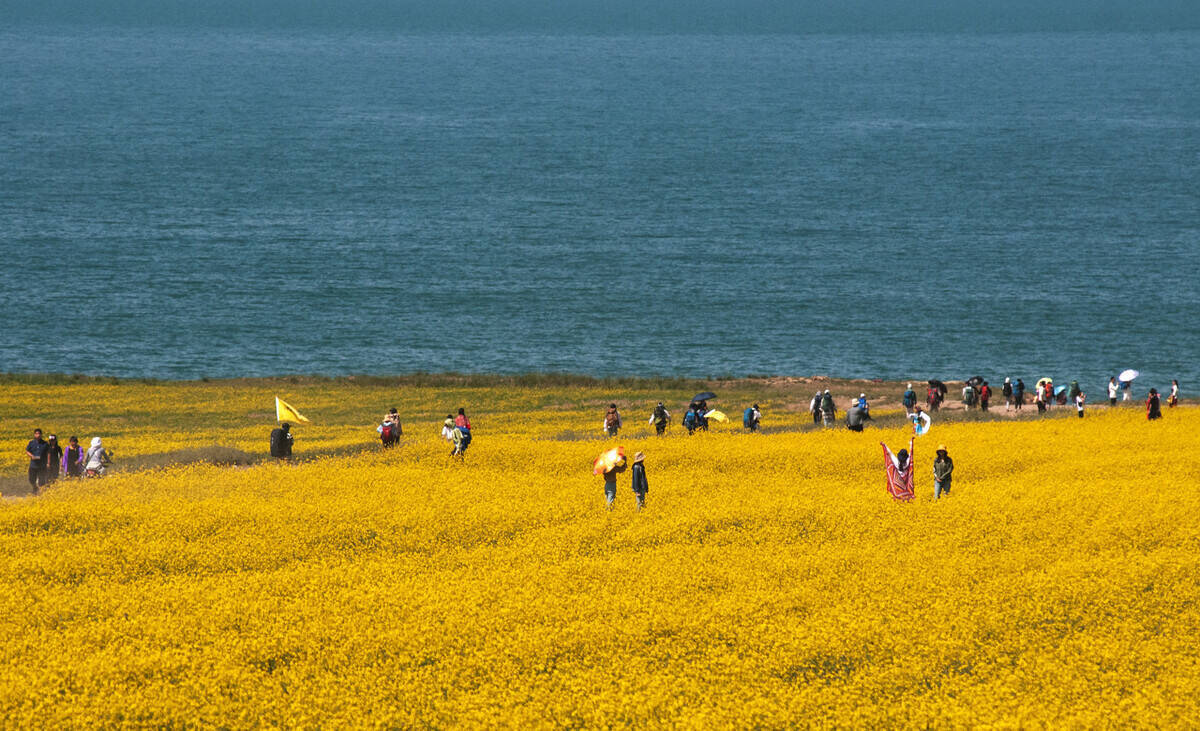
[(183, 202)]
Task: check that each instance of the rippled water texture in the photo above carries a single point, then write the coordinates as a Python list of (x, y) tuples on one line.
[(185, 203)]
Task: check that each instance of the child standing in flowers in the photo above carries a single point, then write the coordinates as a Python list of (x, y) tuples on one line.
[(943, 472), (640, 486)]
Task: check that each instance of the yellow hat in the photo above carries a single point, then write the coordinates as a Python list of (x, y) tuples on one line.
[(941, 448)]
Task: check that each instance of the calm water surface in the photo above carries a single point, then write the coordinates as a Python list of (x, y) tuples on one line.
[(184, 203)]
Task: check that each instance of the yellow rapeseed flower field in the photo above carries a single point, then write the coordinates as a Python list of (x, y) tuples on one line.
[(770, 581)]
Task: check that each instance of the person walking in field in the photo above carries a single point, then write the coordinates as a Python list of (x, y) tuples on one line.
[(390, 429), (751, 417), (37, 450), (909, 399), (72, 460), (855, 416), (612, 421), (920, 421), (461, 421), (97, 459), (690, 422), (943, 472), (1173, 399), (610, 482), (1080, 398), (1153, 405), (54, 455), (1113, 388), (828, 410), (639, 483), (1007, 391), (281, 442), (660, 418), (814, 408)]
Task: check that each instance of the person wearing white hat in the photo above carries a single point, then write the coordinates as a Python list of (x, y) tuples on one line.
[(910, 400)]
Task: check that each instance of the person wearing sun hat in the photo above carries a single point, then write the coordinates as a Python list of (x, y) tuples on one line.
[(640, 486), (943, 471)]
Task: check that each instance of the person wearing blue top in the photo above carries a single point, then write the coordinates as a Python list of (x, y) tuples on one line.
[(910, 400), (38, 450)]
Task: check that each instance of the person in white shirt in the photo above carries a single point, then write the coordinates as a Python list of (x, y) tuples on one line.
[(1079, 399), (1112, 391)]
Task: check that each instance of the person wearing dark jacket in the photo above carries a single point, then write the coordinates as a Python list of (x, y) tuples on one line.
[(640, 486), (37, 450), (54, 455), (909, 399), (943, 472), (1153, 405), (281, 441)]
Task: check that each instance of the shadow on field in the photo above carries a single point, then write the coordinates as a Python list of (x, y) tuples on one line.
[(17, 485)]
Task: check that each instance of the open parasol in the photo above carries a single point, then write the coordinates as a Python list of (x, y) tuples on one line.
[(608, 461)]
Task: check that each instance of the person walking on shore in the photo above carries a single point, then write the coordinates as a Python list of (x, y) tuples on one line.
[(1080, 397), (909, 399), (814, 408), (943, 472), (828, 410), (660, 418), (37, 450), (1007, 391), (985, 395), (1173, 399), (72, 461), (639, 484), (1039, 398), (1019, 395), (612, 420), (1112, 391), (1153, 405), (1126, 389), (968, 397)]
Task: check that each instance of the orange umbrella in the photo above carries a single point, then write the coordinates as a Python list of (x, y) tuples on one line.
[(608, 461)]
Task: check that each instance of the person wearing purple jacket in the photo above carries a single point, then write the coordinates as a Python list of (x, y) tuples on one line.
[(72, 459)]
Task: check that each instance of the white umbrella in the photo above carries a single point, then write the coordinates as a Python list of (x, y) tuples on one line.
[(1128, 375)]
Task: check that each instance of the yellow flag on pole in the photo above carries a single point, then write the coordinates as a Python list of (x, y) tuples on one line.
[(284, 412)]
